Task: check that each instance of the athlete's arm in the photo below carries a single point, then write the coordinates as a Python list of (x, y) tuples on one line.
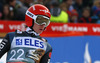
[(4, 45), (46, 57)]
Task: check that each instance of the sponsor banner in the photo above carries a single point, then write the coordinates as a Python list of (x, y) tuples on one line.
[(71, 29), (11, 26), (77, 49), (54, 29), (15, 25), (2, 26)]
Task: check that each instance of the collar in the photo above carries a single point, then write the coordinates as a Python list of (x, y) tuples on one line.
[(29, 30)]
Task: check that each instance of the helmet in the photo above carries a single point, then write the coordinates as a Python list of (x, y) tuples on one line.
[(34, 11)]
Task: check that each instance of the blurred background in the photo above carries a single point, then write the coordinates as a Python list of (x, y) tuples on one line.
[(73, 11), (74, 31)]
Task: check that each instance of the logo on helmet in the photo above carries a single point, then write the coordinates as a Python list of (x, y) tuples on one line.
[(44, 11)]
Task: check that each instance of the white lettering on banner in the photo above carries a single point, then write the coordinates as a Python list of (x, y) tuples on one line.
[(14, 27), (1, 26), (66, 28), (96, 29), (87, 57)]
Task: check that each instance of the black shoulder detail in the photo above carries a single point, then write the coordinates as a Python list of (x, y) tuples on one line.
[(5, 45)]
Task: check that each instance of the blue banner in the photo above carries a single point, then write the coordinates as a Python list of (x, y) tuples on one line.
[(76, 49)]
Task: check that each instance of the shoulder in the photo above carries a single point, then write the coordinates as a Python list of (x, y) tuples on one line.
[(10, 34), (48, 45), (21, 33), (16, 33), (43, 39), (49, 48), (13, 33)]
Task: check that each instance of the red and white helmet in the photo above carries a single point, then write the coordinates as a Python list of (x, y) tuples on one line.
[(33, 11)]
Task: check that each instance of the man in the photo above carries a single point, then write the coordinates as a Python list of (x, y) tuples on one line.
[(28, 46)]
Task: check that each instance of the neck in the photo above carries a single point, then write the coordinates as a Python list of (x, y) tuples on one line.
[(29, 30)]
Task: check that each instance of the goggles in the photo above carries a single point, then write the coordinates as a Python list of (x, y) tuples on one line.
[(40, 20)]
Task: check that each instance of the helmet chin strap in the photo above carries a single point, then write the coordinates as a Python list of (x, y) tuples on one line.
[(32, 25), (44, 28)]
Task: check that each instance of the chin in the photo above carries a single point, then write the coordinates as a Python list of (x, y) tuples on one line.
[(39, 32)]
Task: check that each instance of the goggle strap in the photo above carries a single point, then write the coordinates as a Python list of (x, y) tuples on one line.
[(28, 13), (45, 17)]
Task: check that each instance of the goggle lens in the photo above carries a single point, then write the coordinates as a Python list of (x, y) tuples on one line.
[(42, 20)]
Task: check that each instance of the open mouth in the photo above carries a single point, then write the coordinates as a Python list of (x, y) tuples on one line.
[(41, 29)]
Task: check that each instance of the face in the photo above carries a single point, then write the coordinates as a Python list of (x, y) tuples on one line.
[(79, 1), (69, 2), (73, 18), (38, 28), (13, 3), (40, 23), (6, 10), (86, 13)]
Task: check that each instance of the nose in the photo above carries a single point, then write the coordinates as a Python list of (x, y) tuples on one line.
[(43, 25)]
